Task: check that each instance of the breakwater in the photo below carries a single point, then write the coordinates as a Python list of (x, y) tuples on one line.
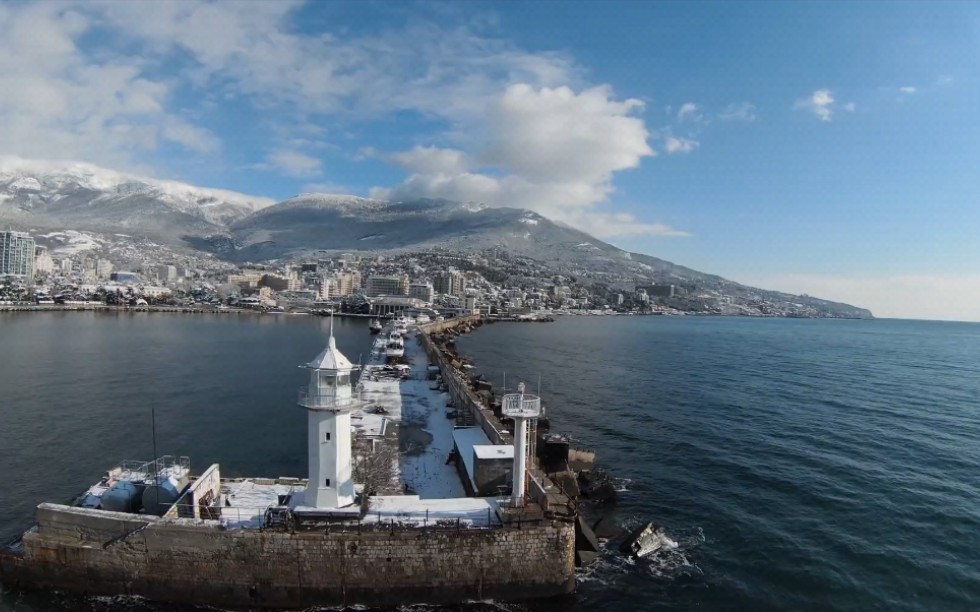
[(472, 409), (206, 561), (194, 561)]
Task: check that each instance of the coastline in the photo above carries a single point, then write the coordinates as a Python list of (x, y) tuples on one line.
[(545, 317)]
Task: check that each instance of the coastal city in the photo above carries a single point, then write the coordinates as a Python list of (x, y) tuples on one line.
[(75, 270)]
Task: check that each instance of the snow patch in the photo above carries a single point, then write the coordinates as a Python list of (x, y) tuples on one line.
[(26, 183)]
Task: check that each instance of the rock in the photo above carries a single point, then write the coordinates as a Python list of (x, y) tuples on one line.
[(606, 528), (586, 544)]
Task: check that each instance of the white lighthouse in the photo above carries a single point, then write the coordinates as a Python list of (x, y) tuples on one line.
[(328, 400)]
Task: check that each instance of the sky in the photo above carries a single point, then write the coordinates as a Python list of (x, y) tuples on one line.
[(828, 148)]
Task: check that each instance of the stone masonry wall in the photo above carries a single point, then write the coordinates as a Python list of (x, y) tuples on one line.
[(194, 561)]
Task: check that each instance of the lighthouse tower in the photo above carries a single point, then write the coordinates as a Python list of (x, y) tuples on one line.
[(328, 400)]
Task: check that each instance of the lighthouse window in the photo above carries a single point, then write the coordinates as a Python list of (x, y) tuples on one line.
[(327, 483), (326, 437)]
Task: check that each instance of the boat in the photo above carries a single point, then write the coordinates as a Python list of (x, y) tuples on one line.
[(395, 347), (375, 326)]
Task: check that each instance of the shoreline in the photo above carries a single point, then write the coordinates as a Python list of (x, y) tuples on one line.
[(548, 317)]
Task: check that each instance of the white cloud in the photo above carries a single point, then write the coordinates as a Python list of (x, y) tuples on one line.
[(689, 111), (57, 101), (552, 150), (517, 128), (950, 297), (820, 103), (431, 160), (294, 163), (738, 111), (907, 89), (679, 145), (850, 107)]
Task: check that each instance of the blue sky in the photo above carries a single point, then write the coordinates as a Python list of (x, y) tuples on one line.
[(826, 148)]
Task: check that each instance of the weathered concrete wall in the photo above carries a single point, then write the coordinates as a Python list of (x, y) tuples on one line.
[(193, 561), (491, 474)]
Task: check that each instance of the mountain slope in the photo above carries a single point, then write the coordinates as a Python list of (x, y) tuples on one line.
[(181, 218), (65, 195)]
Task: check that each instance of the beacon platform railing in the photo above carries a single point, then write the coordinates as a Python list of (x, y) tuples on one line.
[(327, 402)]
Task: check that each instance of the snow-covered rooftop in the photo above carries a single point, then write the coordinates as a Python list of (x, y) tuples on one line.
[(465, 439), (494, 451)]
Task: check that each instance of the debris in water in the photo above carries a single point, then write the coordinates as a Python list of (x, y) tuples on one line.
[(646, 540)]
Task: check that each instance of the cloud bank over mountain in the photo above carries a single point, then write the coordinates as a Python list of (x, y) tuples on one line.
[(137, 86)]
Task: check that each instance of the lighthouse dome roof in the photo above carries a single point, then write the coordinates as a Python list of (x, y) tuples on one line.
[(331, 359)]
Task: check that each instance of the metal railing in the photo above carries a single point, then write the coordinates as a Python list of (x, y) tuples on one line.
[(326, 402)]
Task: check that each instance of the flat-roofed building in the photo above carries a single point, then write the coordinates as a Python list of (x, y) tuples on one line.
[(422, 291), (450, 283), (387, 285), (17, 254)]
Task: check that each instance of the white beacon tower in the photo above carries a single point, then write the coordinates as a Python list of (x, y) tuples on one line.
[(328, 400), (523, 408)]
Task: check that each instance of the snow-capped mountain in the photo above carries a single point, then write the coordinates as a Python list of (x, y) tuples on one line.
[(72, 195), (72, 207)]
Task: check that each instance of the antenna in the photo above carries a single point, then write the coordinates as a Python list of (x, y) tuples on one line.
[(331, 322), (153, 430)]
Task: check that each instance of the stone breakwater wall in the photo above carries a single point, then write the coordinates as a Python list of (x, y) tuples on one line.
[(192, 561), (541, 489), (464, 398)]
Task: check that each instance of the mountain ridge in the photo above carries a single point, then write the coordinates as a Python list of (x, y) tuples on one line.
[(238, 228)]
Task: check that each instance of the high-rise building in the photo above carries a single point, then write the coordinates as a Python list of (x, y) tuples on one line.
[(450, 283), (17, 254), (167, 273), (348, 283), (387, 285), (421, 291), (43, 264)]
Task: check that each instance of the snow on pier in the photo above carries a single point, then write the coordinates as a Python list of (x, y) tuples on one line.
[(425, 435)]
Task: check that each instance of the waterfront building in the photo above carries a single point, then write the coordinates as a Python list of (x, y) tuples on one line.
[(280, 283), (450, 283), (122, 276), (247, 279), (392, 305), (166, 273), (387, 285), (348, 283), (17, 254), (328, 400), (103, 268), (43, 264), (422, 291)]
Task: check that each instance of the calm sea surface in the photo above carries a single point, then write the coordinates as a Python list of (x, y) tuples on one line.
[(799, 464)]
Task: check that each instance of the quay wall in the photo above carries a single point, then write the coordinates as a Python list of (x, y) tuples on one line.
[(191, 561), (464, 398), (541, 490)]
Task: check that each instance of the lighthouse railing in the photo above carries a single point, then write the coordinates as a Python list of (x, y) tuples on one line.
[(326, 401)]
